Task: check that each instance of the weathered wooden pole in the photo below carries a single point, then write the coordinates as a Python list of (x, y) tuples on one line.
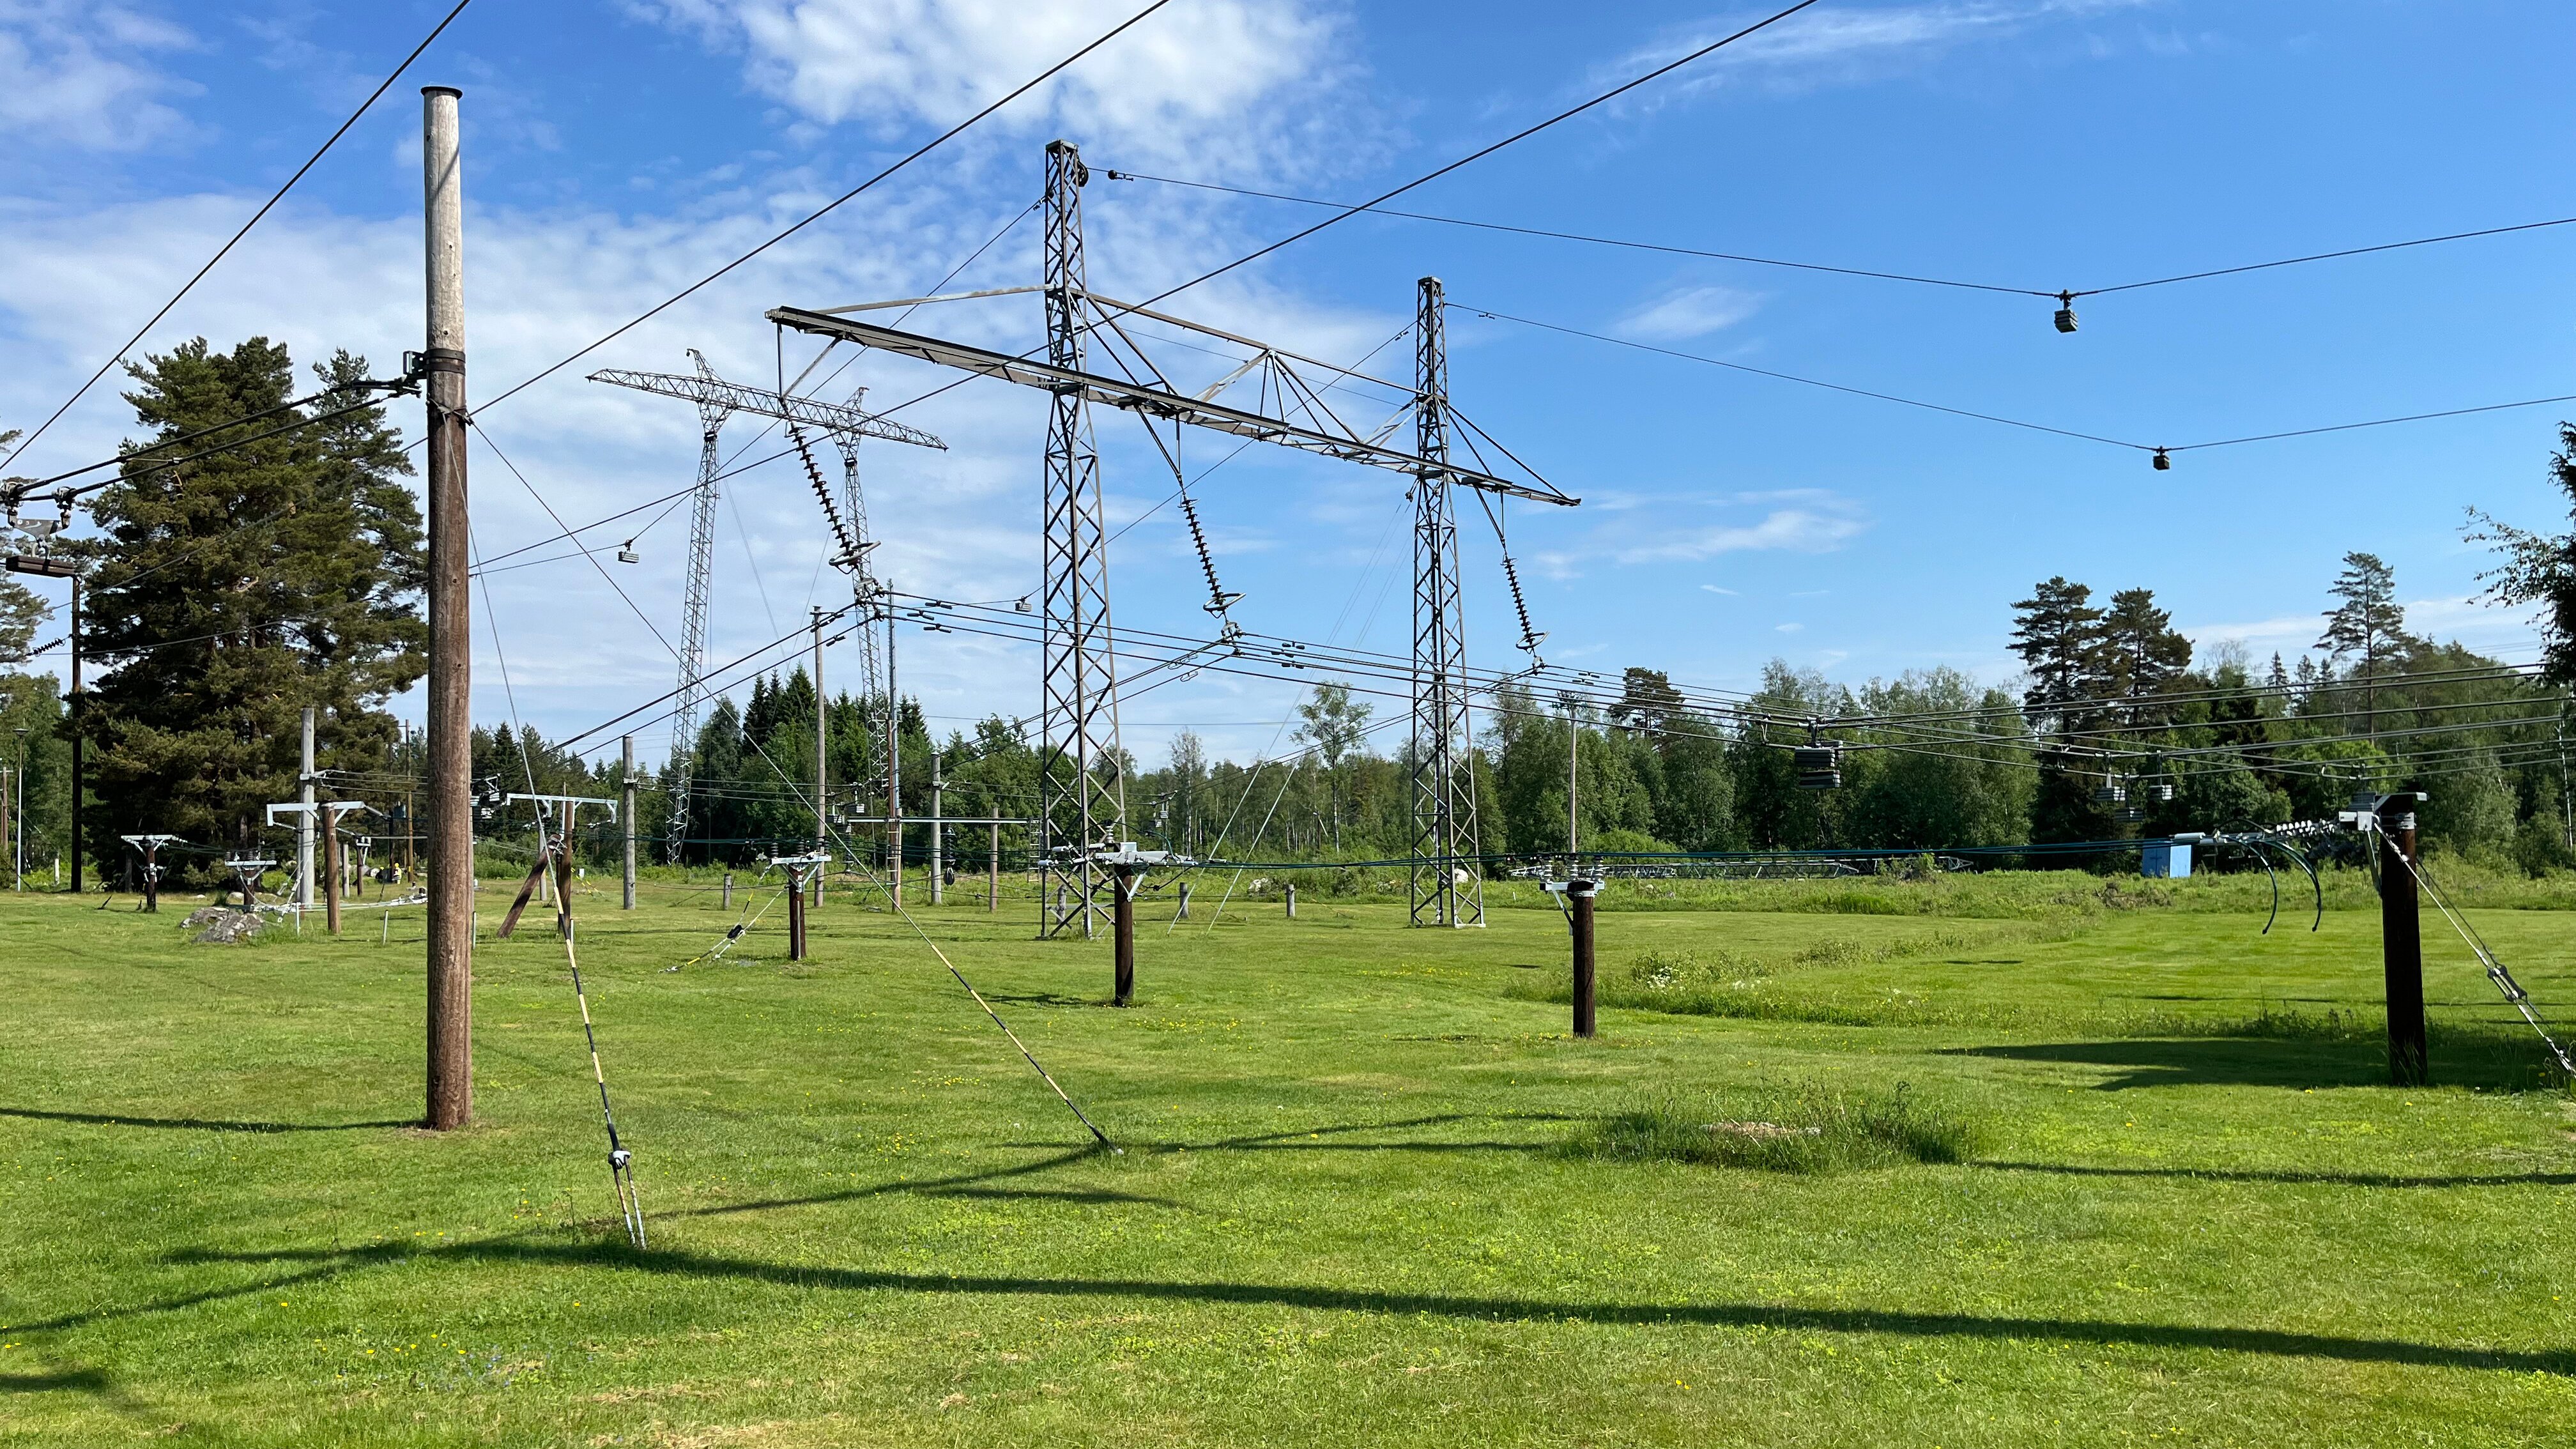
[(451, 716), (304, 825), (1122, 883), (993, 874), (2401, 942), (1579, 894), (626, 810), (330, 868)]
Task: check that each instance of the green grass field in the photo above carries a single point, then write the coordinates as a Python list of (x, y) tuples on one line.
[(1367, 1194)]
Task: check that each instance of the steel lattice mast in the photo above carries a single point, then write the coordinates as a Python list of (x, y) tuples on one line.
[(693, 613), (717, 400), (1082, 787), (1444, 788)]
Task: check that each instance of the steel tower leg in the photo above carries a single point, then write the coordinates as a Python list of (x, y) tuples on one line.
[(1444, 785), (863, 579), (693, 615), (1082, 789)]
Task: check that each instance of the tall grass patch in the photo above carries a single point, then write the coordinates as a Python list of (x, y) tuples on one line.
[(1810, 1129)]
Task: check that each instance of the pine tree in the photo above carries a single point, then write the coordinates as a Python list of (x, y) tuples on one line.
[(2366, 621), (235, 590), (2140, 652), (1647, 701), (2057, 633)]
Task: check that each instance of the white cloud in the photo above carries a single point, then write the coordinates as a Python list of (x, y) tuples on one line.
[(1689, 312), (1181, 71), (2479, 626), (1667, 531), (81, 74), (1846, 42), (1714, 589)]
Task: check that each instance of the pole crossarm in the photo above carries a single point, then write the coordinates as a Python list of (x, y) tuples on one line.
[(734, 397), (1159, 402)]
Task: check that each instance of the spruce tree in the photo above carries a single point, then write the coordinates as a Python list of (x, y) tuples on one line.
[(234, 590)]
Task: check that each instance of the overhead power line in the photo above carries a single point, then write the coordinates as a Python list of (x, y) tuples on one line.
[(220, 252), (1604, 241), (1124, 309), (1804, 381), (1671, 249), (2160, 452), (924, 149), (1479, 154)]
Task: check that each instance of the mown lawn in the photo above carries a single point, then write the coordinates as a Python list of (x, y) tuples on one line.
[(1345, 1214)]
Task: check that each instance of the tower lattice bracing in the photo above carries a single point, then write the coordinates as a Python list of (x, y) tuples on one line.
[(1081, 783), (717, 400), (863, 579), (699, 586), (1444, 787)]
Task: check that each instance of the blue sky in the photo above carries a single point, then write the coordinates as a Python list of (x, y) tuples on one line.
[(619, 148)]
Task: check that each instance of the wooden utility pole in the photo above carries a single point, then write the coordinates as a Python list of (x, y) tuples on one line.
[(330, 868), (937, 862), (626, 809), (2401, 941), (822, 761), (451, 718), (993, 874), (80, 724), (304, 825), (894, 772)]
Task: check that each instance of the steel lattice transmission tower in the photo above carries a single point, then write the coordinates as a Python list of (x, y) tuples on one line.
[(693, 610), (1082, 786), (716, 401), (1444, 785)]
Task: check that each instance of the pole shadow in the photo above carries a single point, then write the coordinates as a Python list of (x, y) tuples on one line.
[(197, 1124), (2295, 1179), (1778, 1317)]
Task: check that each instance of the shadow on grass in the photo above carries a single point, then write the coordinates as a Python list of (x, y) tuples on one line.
[(80, 1381), (1324, 1298), (2296, 1179), (197, 1124), (2493, 1062)]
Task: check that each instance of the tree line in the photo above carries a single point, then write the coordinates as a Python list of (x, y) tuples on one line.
[(229, 592)]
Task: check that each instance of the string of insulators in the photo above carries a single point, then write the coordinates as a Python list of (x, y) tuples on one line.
[(1218, 599), (1530, 638), (823, 495)]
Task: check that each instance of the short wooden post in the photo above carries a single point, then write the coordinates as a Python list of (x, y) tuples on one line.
[(1579, 894), (727, 897), (1292, 900), (1183, 913), (2401, 943)]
